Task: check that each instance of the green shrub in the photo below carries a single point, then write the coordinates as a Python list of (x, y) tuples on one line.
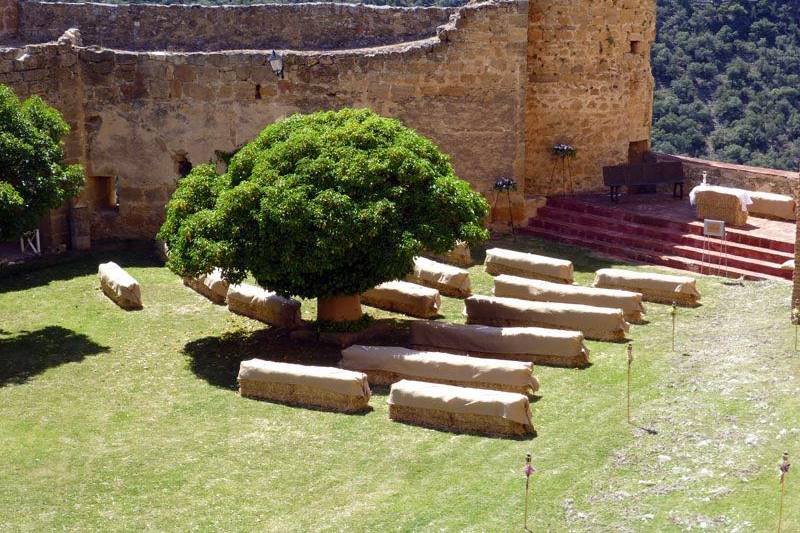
[(327, 204), (34, 178)]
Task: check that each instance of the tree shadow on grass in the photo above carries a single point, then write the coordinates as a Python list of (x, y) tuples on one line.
[(28, 353)]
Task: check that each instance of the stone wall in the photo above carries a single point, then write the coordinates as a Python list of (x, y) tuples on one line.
[(589, 84), (9, 18), (191, 28), (739, 176)]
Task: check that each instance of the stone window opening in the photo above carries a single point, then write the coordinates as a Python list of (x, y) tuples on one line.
[(636, 47), (183, 165), (105, 192), (258, 91)]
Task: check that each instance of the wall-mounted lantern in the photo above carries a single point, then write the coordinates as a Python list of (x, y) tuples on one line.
[(276, 62)]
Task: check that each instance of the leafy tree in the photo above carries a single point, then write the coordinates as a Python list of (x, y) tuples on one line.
[(324, 205), (34, 178)]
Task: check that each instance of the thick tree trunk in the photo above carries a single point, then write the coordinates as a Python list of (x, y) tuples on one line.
[(339, 308)]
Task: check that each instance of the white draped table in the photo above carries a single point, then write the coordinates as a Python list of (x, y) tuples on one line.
[(744, 197)]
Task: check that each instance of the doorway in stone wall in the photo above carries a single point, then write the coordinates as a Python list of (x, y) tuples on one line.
[(637, 151)]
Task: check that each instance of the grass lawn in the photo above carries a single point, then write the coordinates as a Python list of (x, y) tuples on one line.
[(114, 420)]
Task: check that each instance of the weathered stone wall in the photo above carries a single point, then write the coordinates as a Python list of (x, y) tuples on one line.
[(9, 18), (589, 85), (739, 176), (192, 28)]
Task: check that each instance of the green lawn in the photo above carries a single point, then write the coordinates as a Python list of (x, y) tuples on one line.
[(115, 420)]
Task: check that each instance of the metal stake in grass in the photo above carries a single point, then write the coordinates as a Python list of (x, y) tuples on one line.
[(674, 314), (784, 467), (630, 362), (528, 471)]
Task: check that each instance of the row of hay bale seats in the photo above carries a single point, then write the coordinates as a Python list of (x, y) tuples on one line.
[(472, 377)]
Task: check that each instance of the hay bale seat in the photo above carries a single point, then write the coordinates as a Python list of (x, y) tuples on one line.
[(460, 409), (405, 298), (771, 205), (597, 323), (788, 265), (541, 346), (502, 261), (385, 365), (210, 285), (720, 204), (264, 306), (460, 255), (659, 288), (544, 291), (119, 286), (307, 386), (447, 279)]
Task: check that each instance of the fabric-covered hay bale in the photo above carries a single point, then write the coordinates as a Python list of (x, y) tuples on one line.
[(385, 365), (544, 291), (447, 279), (788, 265), (598, 323), (264, 306), (210, 285), (771, 205), (660, 288), (460, 255), (460, 409), (502, 261), (308, 386), (541, 346), (119, 286), (719, 205), (405, 298)]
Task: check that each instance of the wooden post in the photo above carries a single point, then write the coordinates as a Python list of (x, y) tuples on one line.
[(528, 471), (796, 322), (784, 467), (630, 362), (674, 314), (511, 216)]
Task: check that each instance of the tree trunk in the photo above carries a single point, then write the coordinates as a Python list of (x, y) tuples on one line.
[(339, 308)]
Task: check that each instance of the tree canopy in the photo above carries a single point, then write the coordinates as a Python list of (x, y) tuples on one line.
[(728, 81), (322, 205), (34, 178)]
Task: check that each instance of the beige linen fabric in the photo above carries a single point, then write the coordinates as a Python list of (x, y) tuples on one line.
[(788, 265), (210, 285), (403, 297), (437, 365), (715, 191), (652, 286), (544, 291), (268, 307), (602, 323), (447, 279), (771, 205), (119, 286), (502, 261), (321, 377), (460, 255), (421, 395), (472, 338)]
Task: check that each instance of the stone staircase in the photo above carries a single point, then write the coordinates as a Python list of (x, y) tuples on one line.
[(648, 239)]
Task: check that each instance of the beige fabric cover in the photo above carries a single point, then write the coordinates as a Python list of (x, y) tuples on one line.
[(788, 265), (119, 286), (448, 279), (645, 281), (403, 297), (210, 285), (417, 394), (594, 322), (715, 191), (268, 307), (433, 365), (545, 291), (473, 338), (459, 255), (502, 261), (771, 205), (321, 377)]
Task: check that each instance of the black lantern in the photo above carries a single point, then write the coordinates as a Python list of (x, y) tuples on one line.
[(276, 62)]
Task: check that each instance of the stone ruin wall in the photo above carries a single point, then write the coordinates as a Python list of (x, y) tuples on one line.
[(494, 87)]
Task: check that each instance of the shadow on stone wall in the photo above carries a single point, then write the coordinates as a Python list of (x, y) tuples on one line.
[(28, 353)]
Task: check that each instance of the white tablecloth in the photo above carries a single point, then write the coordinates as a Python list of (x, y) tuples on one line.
[(744, 196)]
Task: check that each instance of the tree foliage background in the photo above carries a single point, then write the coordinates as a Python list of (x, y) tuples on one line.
[(728, 81)]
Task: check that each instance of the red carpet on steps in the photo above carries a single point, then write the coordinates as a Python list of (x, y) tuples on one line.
[(660, 230)]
